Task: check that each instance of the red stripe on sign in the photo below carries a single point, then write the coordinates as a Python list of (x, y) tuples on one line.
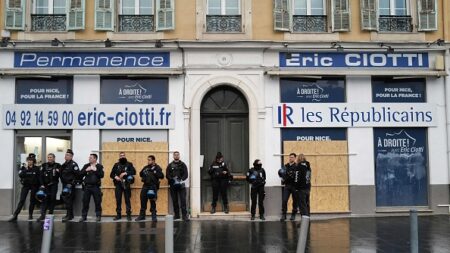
[(284, 115)]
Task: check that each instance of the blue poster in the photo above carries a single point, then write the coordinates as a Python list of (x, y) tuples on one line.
[(401, 175), (314, 134), (398, 91), (353, 60), (134, 91), (325, 90), (44, 91), (91, 59)]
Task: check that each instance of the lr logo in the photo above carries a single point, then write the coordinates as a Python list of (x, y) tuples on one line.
[(284, 114)]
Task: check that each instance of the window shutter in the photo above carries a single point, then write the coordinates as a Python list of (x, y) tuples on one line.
[(369, 15), (427, 15), (14, 15), (104, 15), (165, 15), (341, 16), (76, 14), (281, 15)]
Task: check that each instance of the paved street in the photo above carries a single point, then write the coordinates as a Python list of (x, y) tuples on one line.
[(388, 234)]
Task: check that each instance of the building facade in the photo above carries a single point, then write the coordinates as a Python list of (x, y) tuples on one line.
[(358, 86)]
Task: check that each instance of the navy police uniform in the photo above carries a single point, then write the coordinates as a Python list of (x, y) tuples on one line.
[(176, 172), (123, 186)]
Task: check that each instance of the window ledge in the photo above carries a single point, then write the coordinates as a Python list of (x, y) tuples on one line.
[(45, 35), (311, 36), (135, 35), (398, 36)]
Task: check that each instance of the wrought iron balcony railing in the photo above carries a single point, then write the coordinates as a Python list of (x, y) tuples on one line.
[(136, 23), (389, 23), (223, 23), (309, 23), (48, 22)]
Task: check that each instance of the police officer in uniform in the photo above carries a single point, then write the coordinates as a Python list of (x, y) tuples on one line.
[(92, 174), (220, 179), (29, 178), (176, 173), (151, 174), (256, 176), (290, 180), (69, 177), (122, 175), (305, 186), (49, 179)]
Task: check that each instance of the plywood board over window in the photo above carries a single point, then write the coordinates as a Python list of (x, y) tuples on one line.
[(329, 165), (136, 153)]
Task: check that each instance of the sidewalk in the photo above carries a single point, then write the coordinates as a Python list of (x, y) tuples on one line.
[(381, 234)]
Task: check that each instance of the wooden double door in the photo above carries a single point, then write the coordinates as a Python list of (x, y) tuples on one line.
[(224, 128)]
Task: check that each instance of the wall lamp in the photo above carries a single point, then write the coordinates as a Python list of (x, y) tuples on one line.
[(6, 41), (108, 43), (338, 46), (439, 42), (158, 44), (55, 42), (389, 49)]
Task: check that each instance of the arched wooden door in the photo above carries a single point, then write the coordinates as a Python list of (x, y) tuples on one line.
[(224, 128)]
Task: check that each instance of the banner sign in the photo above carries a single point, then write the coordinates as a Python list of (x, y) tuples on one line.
[(401, 166), (412, 91), (43, 91), (354, 115), (88, 117), (134, 91), (314, 134), (134, 136), (326, 90), (91, 59), (354, 60)]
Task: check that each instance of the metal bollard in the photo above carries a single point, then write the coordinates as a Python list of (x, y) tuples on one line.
[(169, 234), (47, 235), (414, 230), (304, 227)]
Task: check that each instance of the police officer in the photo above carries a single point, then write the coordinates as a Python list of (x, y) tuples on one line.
[(29, 178), (150, 175), (122, 175), (69, 177), (220, 177), (176, 173), (49, 179), (256, 176), (92, 174), (305, 186), (290, 179)]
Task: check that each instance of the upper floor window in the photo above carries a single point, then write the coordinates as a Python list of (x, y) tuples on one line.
[(57, 15), (46, 15), (135, 15), (311, 15), (395, 15), (223, 16), (15, 14)]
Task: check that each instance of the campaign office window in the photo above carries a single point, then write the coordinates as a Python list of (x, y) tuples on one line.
[(395, 15), (134, 91), (390, 90), (44, 91), (223, 16), (57, 15), (311, 15), (308, 90), (135, 15)]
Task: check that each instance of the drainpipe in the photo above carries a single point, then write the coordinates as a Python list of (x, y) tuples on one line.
[(447, 109), (187, 110)]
